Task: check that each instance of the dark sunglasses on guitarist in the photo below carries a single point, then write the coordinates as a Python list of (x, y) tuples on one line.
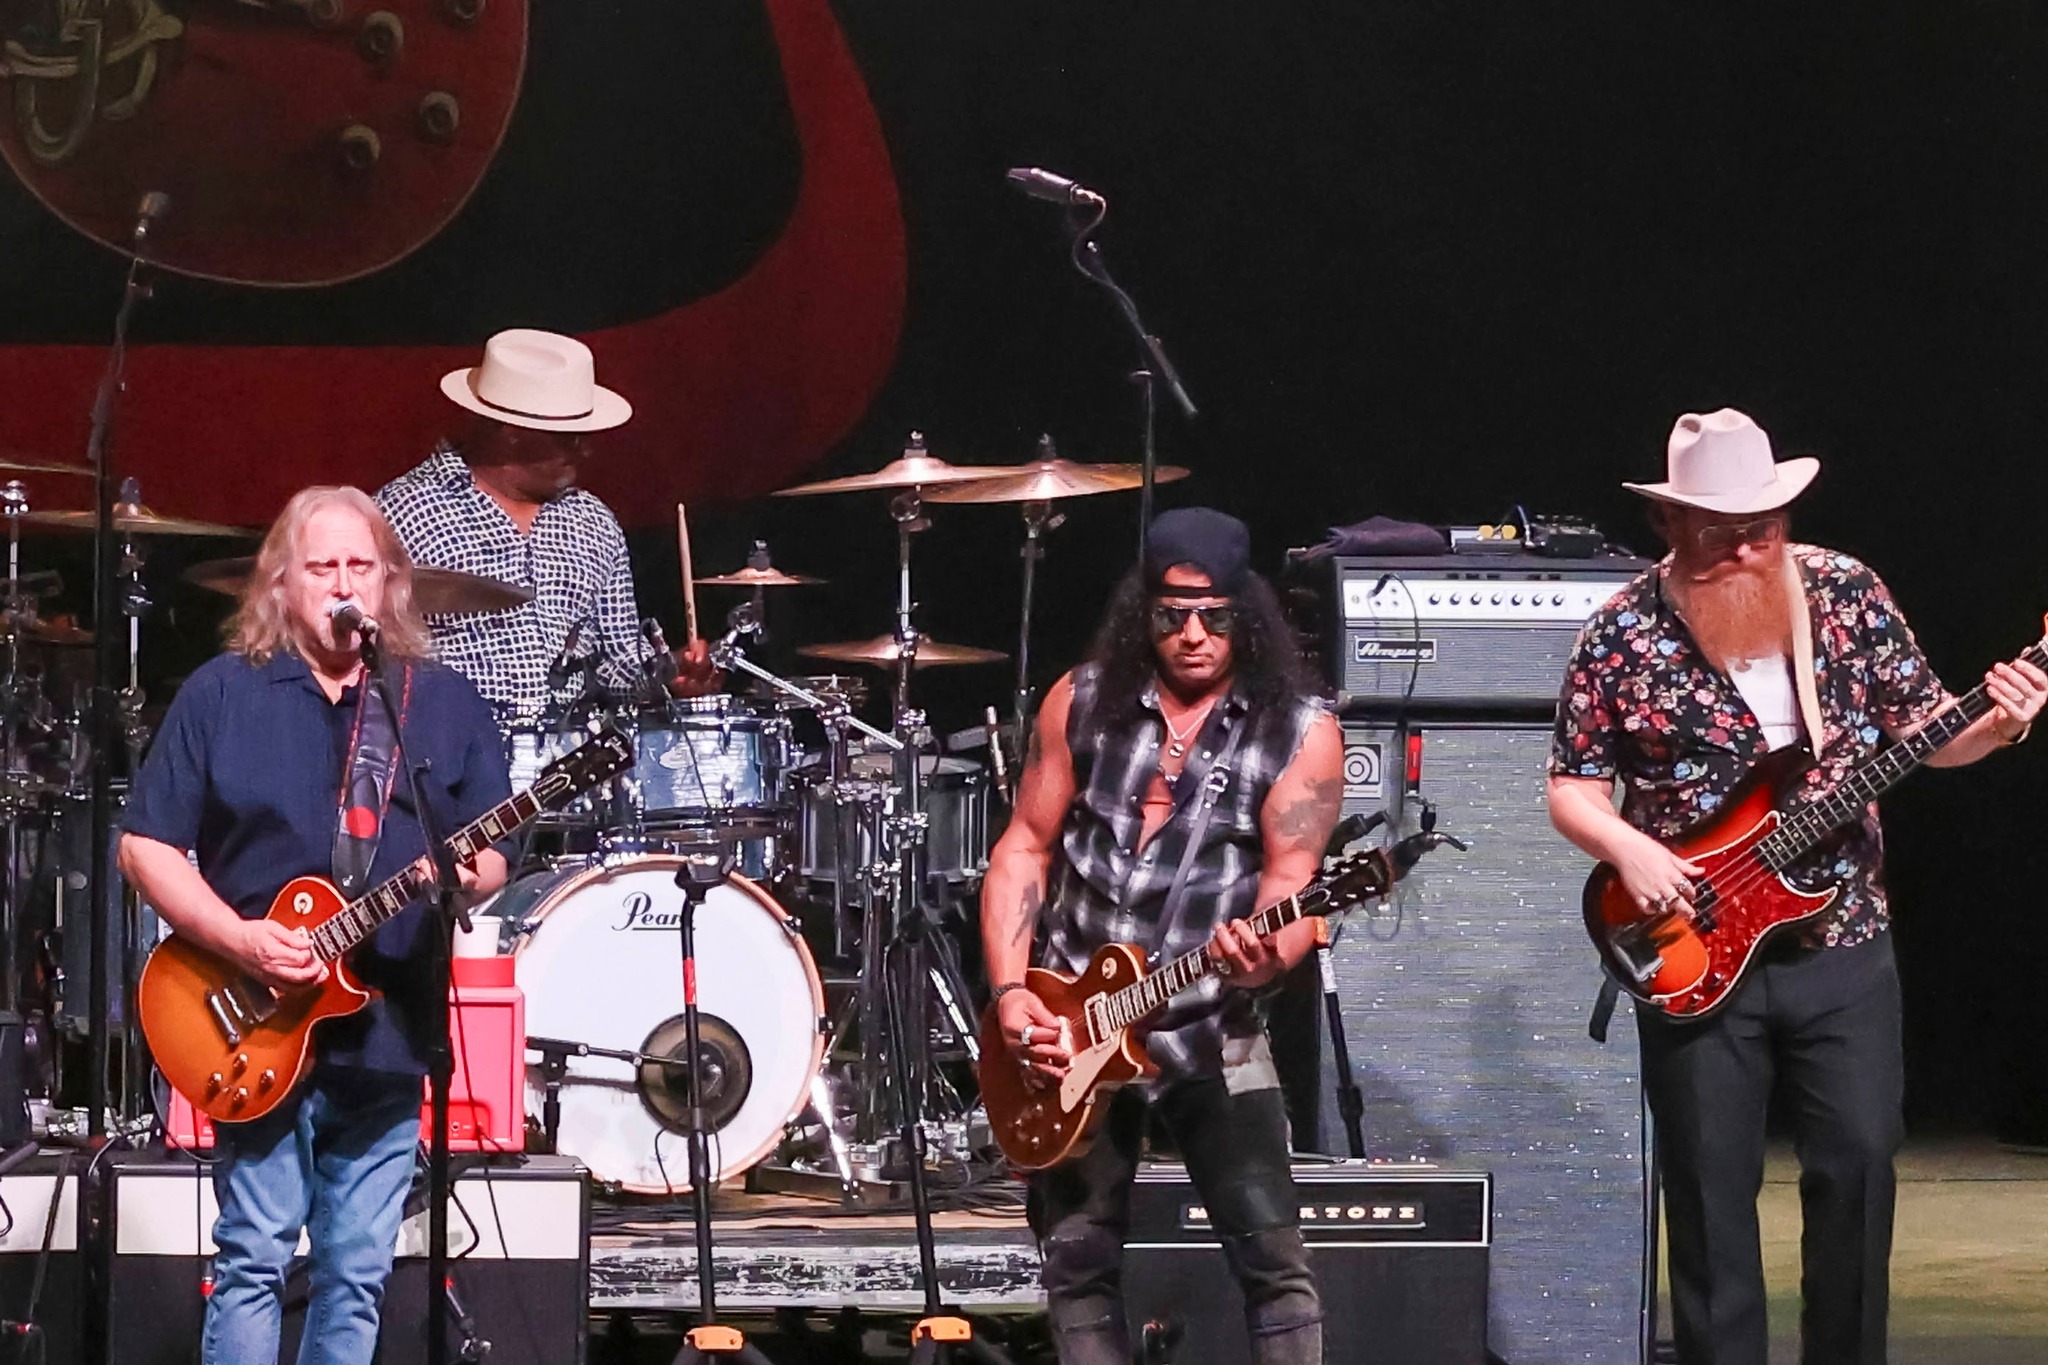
[(1217, 620)]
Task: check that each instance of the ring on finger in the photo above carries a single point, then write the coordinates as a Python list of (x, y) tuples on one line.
[(1223, 966), (1024, 1037)]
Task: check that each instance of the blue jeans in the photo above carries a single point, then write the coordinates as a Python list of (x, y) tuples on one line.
[(337, 1162)]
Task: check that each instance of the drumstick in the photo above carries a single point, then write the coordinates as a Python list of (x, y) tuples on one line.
[(689, 578)]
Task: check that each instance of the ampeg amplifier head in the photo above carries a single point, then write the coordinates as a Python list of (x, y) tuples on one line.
[(1457, 634)]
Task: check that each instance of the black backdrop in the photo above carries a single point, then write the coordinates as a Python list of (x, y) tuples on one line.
[(1429, 260)]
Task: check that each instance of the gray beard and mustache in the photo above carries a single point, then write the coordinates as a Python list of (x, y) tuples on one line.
[(1738, 615)]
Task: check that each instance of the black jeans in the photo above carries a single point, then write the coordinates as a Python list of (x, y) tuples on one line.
[(1823, 1026), (1235, 1147)]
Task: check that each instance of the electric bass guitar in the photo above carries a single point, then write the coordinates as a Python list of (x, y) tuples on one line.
[(1102, 1012), (1687, 966), (236, 1046)]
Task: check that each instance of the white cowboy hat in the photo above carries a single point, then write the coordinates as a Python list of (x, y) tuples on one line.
[(1722, 462), (539, 380)]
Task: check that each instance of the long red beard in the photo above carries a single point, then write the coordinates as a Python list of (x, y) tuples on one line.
[(1741, 614)]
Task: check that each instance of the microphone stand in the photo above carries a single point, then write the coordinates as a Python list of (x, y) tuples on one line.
[(1153, 366), (449, 914), (105, 709)]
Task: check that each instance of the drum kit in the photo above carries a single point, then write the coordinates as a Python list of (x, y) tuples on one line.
[(825, 822), (839, 839)]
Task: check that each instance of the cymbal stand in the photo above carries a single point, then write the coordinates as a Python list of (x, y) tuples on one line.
[(1039, 519), (13, 504)]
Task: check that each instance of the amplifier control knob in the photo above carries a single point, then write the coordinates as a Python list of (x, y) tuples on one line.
[(1496, 599), (1516, 600), (1454, 599), (1557, 599), (1434, 599)]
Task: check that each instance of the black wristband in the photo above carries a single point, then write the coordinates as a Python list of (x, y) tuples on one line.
[(999, 992)]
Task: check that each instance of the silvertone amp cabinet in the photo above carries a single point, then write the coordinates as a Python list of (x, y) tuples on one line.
[(1399, 1251), (1457, 634)]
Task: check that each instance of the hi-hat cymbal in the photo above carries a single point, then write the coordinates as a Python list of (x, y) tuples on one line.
[(759, 578), (1047, 480), (436, 592), (23, 462), (133, 519), (883, 652)]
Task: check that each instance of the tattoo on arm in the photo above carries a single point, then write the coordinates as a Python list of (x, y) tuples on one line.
[(1029, 906), (1307, 823)]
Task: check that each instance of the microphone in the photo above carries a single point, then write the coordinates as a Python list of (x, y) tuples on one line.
[(348, 614), (661, 665), (1054, 189), (739, 621), (154, 205), (564, 665)]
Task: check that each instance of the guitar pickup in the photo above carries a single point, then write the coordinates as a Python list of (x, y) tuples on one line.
[(221, 1020), (1637, 952)]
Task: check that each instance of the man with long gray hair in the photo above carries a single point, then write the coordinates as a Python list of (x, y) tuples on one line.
[(278, 759)]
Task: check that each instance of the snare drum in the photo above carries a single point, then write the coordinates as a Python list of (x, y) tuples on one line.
[(708, 760), (956, 818)]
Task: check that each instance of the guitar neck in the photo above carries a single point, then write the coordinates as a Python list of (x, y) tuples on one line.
[(1803, 831), (1150, 993), (361, 918)]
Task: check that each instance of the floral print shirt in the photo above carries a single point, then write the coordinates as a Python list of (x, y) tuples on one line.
[(1642, 703)]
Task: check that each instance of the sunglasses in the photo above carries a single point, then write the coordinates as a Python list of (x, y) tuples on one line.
[(1216, 620), (1721, 540)]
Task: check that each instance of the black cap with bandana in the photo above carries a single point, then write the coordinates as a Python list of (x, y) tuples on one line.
[(1203, 538)]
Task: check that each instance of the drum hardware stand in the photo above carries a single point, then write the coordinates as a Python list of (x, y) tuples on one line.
[(1039, 520), (709, 1339)]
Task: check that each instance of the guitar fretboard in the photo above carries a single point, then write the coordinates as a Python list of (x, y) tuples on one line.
[(1810, 824), (1121, 1008), (360, 918)]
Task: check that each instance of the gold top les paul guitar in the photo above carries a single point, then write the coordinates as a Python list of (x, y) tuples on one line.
[(1102, 1012), (236, 1046)]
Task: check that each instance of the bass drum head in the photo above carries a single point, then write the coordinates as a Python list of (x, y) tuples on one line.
[(600, 962)]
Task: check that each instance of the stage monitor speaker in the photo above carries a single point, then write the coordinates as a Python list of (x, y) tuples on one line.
[(1465, 1002), (519, 1238), (45, 1280), (1399, 1252)]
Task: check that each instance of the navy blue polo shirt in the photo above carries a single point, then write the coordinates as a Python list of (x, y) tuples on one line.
[(246, 772)]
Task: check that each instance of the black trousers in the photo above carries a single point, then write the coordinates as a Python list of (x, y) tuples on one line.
[(1822, 1027), (1235, 1147)]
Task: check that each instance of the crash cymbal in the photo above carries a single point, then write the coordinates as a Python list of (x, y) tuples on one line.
[(133, 519), (1047, 480), (914, 468), (22, 462), (436, 592), (882, 651), (63, 631), (759, 578)]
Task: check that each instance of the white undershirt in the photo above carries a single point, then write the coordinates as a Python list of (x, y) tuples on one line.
[(1766, 684)]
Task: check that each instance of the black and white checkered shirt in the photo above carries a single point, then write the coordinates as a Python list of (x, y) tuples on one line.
[(1106, 889), (575, 561)]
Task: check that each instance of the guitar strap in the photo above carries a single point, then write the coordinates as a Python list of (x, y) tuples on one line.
[(1802, 654), (366, 784), (1213, 783)]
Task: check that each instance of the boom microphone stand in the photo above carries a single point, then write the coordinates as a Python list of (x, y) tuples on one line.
[(1153, 366), (449, 914), (106, 709)]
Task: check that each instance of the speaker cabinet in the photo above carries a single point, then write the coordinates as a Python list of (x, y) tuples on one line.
[(520, 1230), (1465, 1001), (1399, 1251)]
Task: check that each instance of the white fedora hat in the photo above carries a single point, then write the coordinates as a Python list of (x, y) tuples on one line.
[(1722, 461), (540, 380)]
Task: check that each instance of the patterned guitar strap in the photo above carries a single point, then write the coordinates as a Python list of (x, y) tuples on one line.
[(366, 783)]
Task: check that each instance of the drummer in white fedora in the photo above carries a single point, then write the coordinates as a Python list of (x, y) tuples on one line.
[(1736, 644), (503, 502)]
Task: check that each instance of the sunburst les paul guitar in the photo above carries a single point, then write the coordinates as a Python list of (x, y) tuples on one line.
[(1103, 1010), (1687, 965), (235, 1046)]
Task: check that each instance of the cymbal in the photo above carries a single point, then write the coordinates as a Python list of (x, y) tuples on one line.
[(132, 519), (436, 592), (912, 469), (1047, 480), (760, 578), (882, 652), (63, 631), (23, 462)]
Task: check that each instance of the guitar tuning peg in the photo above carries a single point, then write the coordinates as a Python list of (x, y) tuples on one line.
[(1428, 816)]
